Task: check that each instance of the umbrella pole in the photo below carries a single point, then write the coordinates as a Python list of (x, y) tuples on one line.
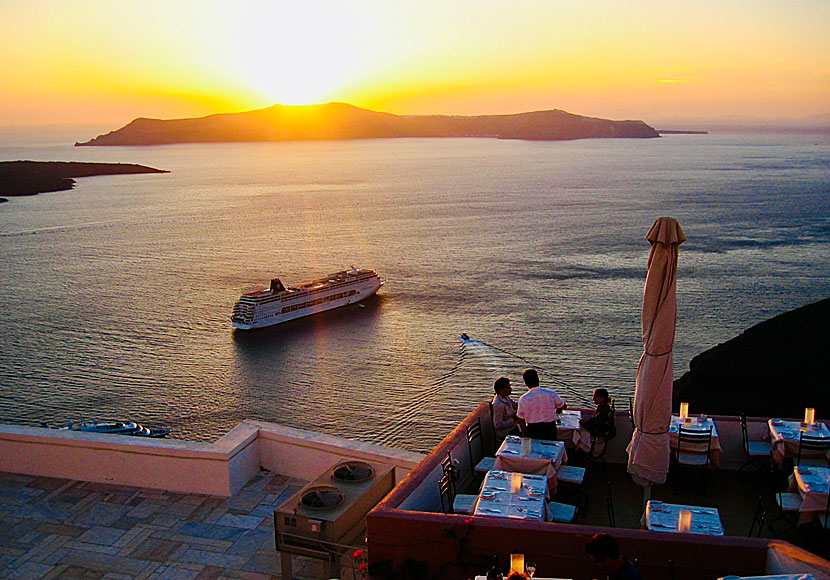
[(646, 494)]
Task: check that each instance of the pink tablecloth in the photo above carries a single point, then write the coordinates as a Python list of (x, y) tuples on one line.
[(785, 436), (498, 500), (695, 424), (813, 483), (571, 432), (545, 458)]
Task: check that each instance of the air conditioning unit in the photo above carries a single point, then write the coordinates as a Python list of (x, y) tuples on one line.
[(329, 513)]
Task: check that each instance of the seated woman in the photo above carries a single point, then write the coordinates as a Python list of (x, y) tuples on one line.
[(601, 423), (504, 410)]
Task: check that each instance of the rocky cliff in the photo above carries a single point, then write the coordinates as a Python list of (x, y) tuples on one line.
[(342, 121), (774, 369)]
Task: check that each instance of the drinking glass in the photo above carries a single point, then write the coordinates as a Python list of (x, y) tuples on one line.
[(531, 568)]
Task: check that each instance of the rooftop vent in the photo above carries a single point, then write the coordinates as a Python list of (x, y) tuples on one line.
[(323, 497), (353, 472)]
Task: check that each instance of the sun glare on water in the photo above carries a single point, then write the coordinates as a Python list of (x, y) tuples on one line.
[(295, 55)]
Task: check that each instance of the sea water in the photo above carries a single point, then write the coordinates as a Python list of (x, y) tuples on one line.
[(116, 296)]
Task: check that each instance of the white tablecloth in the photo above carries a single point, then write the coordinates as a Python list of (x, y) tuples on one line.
[(785, 436), (545, 457), (569, 430), (664, 517), (496, 499), (695, 424), (813, 483)]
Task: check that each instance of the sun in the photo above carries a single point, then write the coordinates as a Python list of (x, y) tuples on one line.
[(295, 53)]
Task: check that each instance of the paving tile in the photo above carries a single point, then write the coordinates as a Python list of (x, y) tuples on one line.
[(235, 521), (49, 483), (51, 511), (214, 516), (263, 563), (143, 510), (100, 514), (214, 532), (195, 556), (116, 576), (204, 543), (53, 556), (102, 535), (69, 572), (61, 529), (104, 562), (176, 573), (126, 523), (166, 520), (155, 550), (209, 573), (29, 570), (86, 547), (250, 543)]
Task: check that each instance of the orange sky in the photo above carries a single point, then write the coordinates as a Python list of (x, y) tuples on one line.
[(109, 61)]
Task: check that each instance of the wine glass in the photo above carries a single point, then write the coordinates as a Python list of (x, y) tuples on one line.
[(531, 568)]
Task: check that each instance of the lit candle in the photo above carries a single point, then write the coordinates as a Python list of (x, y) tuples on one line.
[(517, 563), (684, 411), (516, 482), (525, 446), (684, 524), (809, 416)]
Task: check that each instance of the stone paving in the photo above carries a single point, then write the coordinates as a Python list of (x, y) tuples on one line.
[(62, 529)]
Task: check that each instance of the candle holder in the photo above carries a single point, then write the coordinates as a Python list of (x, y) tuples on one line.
[(809, 416), (515, 482), (525, 446), (517, 563), (684, 523), (684, 412)]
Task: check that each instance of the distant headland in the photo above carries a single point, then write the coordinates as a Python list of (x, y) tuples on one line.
[(33, 177), (343, 121)]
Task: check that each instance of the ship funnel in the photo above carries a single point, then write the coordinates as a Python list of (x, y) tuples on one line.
[(276, 285)]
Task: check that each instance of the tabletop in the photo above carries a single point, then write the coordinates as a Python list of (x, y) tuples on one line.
[(569, 429), (814, 486), (699, 424), (496, 498), (544, 458), (665, 517), (786, 434)]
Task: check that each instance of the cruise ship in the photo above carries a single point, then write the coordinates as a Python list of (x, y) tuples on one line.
[(266, 307)]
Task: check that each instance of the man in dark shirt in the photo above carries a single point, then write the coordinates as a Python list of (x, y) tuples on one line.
[(605, 553)]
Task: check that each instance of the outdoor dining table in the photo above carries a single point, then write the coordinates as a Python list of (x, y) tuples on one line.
[(665, 517), (785, 436), (569, 430), (773, 577), (813, 484), (700, 425), (497, 498), (544, 458)]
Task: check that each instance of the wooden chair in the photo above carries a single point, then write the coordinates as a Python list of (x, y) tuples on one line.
[(812, 451), (758, 518), (692, 452), (758, 453), (609, 506), (479, 464)]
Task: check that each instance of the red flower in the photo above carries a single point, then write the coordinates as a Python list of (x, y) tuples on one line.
[(358, 553), (468, 521), (362, 567)]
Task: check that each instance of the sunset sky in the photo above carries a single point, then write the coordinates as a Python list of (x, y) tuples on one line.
[(109, 61)]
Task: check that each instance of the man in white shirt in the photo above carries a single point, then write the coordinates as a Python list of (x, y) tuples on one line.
[(538, 408)]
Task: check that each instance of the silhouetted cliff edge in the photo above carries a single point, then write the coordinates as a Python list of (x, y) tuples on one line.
[(343, 121), (774, 369)]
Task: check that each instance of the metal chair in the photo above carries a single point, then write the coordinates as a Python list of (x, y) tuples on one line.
[(562, 513), (759, 518), (631, 413), (812, 451), (609, 506), (788, 506), (479, 463), (451, 502), (758, 453), (693, 448)]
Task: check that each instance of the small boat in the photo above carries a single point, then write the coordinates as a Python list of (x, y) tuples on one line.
[(115, 427)]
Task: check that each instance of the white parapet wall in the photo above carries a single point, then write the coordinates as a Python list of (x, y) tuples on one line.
[(219, 468)]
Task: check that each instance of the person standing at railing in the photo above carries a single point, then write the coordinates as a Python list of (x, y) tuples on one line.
[(605, 553), (538, 408)]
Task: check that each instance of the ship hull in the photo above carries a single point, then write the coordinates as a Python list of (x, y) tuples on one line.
[(292, 307)]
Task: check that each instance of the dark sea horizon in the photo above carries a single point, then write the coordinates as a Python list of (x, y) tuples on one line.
[(117, 295)]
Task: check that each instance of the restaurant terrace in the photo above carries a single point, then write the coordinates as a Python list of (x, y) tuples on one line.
[(76, 505)]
